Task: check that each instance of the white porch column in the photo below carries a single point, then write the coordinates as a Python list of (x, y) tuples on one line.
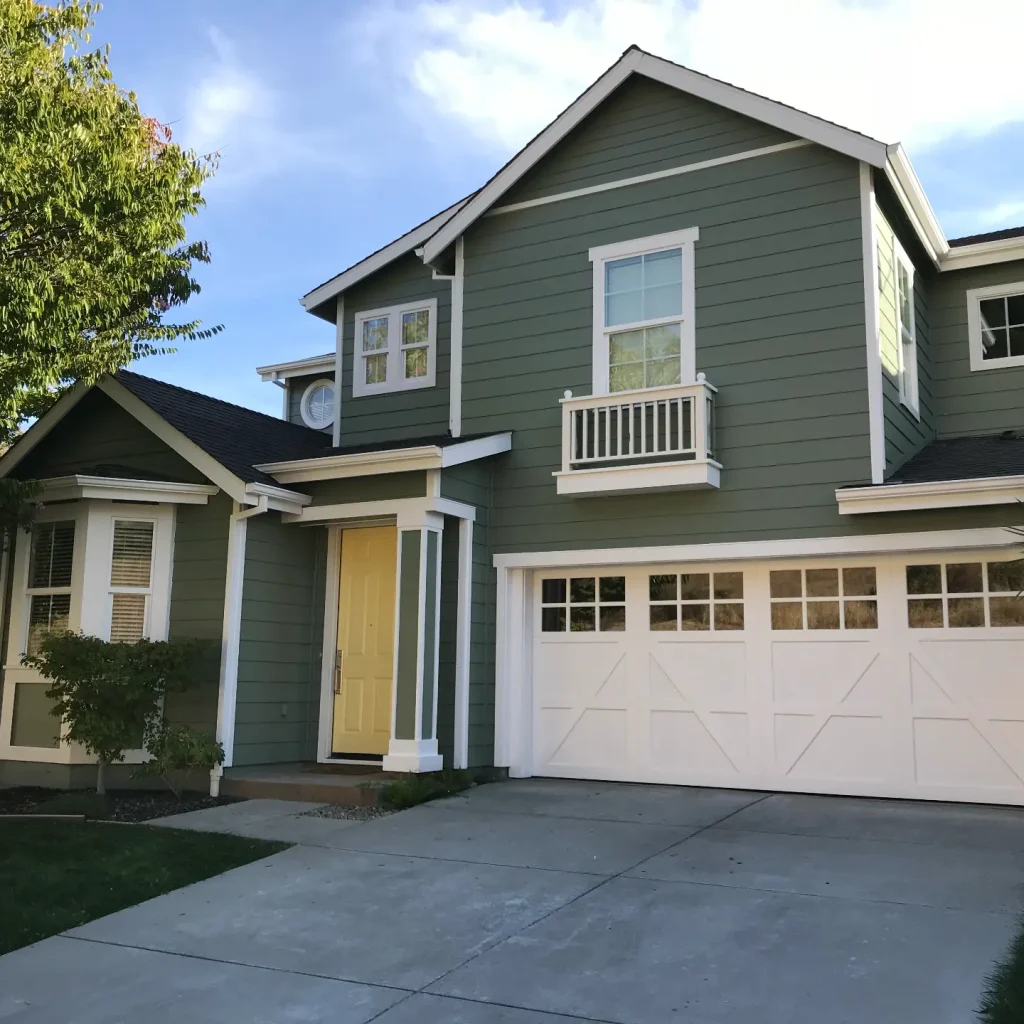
[(413, 746)]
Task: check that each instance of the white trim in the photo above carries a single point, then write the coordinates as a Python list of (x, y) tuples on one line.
[(339, 362), (983, 254), (396, 379), (640, 179), (412, 756), (227, 696), (907, 379), (513, 673), (332, 583), (869, 249), (728, 551), (691, 474), (278, 498), (173, 438), (1006, 490), (683, 239), (907, 186), (455, 362), (105, 488), (391, 460), (974, 299), (463, 646), (796, 122), (297, 368), (408, 510), (381, 258), (42, 426), (321, 382)]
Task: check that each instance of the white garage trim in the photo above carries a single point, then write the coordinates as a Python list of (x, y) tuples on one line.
[(933, 714), (942, 540)]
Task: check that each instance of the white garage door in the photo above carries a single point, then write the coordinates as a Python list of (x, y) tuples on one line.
[(887, 676)]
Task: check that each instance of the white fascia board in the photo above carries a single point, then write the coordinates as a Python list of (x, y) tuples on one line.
[(174, 439), (105, 488), (297, 367), (383, 510), (42, 426), (788, 119), (909, 191), (1005, 490), (391, 460), (980, 254), (278, 498), (665, 476), (750, 550), (374, 262), (478, 448)]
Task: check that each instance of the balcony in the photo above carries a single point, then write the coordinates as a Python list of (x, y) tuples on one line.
[(658, 439)]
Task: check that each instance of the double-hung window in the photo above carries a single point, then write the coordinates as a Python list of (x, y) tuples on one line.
[(49, 579), (898, 327), (395, 348), (995, 324), (131, 579), (644, 312)]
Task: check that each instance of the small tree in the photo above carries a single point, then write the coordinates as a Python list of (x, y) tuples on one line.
[(175, 750), (109, 694)]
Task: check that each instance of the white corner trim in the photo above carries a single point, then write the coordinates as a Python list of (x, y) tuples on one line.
[(105, 488), (328, 659), (278, 498), (798, 123), (749, 550), (974, 298), (381, 258), (869, 250), (639, 179), (391, 460), (463, 647), (1005, 490), (297, 367), (455, 360), (691, 474), (339, 356)]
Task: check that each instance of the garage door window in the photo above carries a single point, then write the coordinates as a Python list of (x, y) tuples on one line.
[(696, 601), (583, 604), (965, 595), (824, 598)]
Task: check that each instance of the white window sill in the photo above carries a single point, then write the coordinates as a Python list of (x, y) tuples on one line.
[(664, 476)]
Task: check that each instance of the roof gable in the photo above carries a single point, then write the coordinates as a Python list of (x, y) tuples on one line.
[(635, 61)]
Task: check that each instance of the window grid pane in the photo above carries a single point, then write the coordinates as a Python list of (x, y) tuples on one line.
[(965, 595), (48, 613), (132, 557), (584, 604), (128, 618), (52, 554), (824, 598), (695, 601)]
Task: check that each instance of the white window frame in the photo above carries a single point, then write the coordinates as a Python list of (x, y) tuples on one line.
[(974, 299), (396, 380), (906, 335), (91, 602), (304, 404), (599, 256)]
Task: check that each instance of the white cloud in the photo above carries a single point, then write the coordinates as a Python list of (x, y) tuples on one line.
[(916, 71), (1010, 211), (231, 111)]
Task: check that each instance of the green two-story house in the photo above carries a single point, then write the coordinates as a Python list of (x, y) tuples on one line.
[(685, 451)]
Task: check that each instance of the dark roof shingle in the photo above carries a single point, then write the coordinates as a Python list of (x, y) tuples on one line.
[(988, 236), (964, 458)]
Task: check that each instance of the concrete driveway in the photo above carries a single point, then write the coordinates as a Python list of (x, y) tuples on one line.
[(543, 902)]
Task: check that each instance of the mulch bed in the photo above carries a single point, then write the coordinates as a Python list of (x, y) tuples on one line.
[(118, 805)]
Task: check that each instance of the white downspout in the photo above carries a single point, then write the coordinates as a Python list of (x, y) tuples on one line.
[(231, 634)]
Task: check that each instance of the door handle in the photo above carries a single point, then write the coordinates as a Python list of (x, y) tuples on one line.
[(337, 671)]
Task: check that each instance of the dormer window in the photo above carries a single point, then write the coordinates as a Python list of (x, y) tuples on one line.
[(995, 324), (644, 312), (395, 348)]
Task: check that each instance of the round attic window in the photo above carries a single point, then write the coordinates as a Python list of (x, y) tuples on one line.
[(317, 406)]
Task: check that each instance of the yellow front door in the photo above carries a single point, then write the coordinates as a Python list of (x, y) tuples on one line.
[(366, 641)]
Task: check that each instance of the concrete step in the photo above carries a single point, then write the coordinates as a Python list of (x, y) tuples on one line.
[(318, 787)]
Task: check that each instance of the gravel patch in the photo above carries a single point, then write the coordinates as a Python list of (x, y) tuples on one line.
[(346, 813)]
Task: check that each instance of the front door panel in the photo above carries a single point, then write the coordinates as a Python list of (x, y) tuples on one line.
[(366, 637)]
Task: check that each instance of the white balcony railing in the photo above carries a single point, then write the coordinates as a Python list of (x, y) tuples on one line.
[(658, 438)]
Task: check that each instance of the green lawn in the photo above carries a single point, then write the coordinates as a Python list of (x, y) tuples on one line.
[(1003, 1000), (56, 875)]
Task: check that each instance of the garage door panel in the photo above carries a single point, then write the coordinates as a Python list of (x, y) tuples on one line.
[(708, 745), (827, 672), (841, 748), (587, 738), (700, 674), (975, 673), (954, 752)]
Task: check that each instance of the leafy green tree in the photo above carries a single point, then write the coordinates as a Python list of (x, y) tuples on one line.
[(109, 694), (175, 750), (94, 197)]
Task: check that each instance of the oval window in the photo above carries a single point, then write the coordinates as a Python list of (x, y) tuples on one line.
[(317, 406)]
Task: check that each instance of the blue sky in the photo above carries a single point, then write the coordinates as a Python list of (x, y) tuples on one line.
[(342, 123)]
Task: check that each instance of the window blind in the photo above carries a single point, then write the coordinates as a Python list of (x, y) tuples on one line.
[(132, 559)]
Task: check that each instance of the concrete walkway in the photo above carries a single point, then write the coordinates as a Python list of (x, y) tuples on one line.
[(542, 902)]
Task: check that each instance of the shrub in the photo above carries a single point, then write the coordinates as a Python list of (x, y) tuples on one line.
[(418, 789), (109, 694), (175, 750)]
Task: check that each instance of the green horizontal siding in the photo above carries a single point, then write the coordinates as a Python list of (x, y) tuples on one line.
[(98, 432), (780, 332), (642, 127), (966, 401), (382, 487), (278, 700), (422, 412), (197, 604)]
